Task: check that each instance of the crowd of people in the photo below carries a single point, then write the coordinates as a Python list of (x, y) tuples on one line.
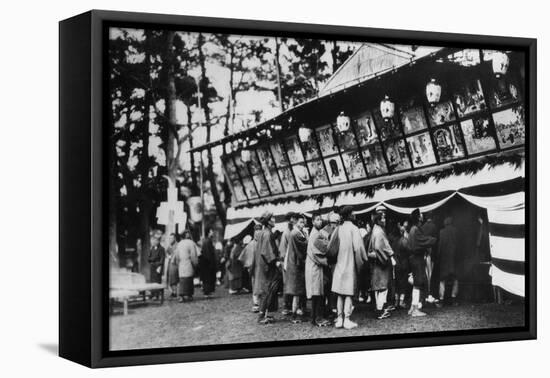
[(339, 262)]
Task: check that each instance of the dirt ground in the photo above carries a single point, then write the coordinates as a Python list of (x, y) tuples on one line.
[(228, 319)]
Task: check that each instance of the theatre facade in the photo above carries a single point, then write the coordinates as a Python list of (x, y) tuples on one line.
[(441, 129)]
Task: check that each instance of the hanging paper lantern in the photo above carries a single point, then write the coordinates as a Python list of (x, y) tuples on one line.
[(387, 108), (501, 61), (342, 122), (433, 92), (245, 155), (304, 133)]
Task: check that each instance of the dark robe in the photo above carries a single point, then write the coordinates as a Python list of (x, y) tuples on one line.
[(235, 268), (418, 246), (365, 273), (295, 264), (265, 258), (402, 267), (156, 260), (267, 276), (448, 240), (172, 276), (208, 266)]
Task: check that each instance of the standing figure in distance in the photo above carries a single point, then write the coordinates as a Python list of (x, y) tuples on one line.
[(208, 264)]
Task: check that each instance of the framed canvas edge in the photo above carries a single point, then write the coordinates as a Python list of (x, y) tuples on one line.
[(102, 358)]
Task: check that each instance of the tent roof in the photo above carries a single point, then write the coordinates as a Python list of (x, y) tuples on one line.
[(373, 59)]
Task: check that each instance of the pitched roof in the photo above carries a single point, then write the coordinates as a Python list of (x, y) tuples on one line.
[(372, 59)]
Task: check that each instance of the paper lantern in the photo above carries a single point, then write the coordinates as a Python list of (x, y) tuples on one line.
[(387, 108), (304, 133), (342, 122), (433, 92), (245, 156), (501, 61)]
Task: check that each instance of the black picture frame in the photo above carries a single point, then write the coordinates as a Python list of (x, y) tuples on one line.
[(83, 196)]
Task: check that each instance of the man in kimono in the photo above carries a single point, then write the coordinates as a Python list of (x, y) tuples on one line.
[(334, 221), (267, 275), (429, 228), (294, 265), (156, 262), (448, 240), (208, 264), (418, 248), (170, 266), (402, 269), (187, 260), (283, 248), (247, 259), (364, 276), (235, 268), (350, 259), (316, 263), (380, 254)]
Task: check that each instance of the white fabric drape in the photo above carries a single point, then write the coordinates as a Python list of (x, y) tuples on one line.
[(506, 210), (512, 283), (423, 209), (232, 230)]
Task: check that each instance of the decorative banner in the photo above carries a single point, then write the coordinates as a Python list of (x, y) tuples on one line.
[(171, 212)]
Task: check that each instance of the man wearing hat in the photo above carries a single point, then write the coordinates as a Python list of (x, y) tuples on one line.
[(380, 254), (350, 259), (418, 246), (267, 276)]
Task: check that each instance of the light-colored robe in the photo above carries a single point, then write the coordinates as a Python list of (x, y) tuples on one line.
[(316, 261), (381, 265), (351, 257), (186, 258)]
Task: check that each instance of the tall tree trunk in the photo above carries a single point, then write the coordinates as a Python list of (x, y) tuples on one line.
[(144, 198), (145, 235), (172, 154), (230, 100), (209, 168), (194, 185), (170, 110), (334, 53), (278, 69), (113, 250)]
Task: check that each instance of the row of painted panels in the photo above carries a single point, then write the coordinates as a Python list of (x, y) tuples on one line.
[(456, 128)]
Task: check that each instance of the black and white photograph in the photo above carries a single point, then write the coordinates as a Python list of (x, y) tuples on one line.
[(271, 189)]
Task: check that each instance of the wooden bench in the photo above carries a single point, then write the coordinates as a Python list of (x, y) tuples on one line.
[(125, 285), (121, 296)]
